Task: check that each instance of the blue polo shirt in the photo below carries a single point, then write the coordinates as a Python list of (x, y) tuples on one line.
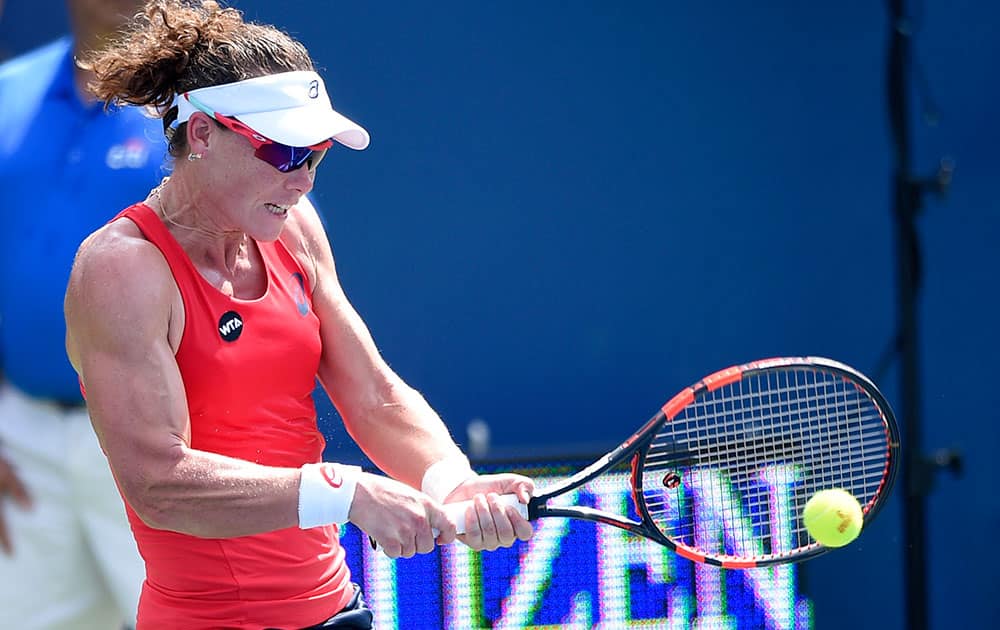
[(66, 168)]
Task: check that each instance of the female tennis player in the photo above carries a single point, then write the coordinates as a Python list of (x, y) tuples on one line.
[(199, 320)]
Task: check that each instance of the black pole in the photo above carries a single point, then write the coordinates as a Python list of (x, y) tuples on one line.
[(907, 199)]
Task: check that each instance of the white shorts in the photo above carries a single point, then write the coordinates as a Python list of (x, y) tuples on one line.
[(75, 563)]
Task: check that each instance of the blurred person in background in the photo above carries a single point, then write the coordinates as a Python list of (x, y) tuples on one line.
[(67, 557)]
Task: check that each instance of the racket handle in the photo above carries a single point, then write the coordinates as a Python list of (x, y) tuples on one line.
[(456, 511)]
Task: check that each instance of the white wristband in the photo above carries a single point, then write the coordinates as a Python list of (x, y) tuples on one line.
[(325, 493), (445, 475)]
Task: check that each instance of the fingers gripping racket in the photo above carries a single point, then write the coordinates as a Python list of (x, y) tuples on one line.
[(722, 471)]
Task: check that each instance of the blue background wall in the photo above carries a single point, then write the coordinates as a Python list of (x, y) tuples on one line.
[(569, 211)]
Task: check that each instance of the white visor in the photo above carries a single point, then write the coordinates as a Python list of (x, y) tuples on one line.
[(292, 108)]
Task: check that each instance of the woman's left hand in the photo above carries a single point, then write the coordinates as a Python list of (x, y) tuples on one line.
[(489, 523)]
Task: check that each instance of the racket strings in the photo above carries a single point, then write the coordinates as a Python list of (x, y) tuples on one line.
[(730, 473)]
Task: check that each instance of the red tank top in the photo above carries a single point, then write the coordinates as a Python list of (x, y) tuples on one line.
[(249, 369)]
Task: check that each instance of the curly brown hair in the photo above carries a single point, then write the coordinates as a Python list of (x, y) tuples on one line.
[(174, 46)]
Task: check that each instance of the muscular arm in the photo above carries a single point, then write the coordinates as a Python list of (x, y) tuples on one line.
[(123, 313), (388, 419), (393, 423)]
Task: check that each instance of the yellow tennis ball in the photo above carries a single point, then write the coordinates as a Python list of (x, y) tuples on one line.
[(833, 517)]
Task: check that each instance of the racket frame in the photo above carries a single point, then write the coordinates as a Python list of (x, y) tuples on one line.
[(634, 448)]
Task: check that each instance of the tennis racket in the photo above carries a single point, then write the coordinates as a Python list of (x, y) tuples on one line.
[(723, 470)]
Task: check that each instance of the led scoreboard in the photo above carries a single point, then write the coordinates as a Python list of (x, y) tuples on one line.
[(572, 574)]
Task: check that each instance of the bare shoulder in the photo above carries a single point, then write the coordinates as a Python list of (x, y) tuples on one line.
[(305, 236), (120, 285), (117, 262)]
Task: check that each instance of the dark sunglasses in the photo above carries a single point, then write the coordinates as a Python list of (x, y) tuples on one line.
[(281, 156)]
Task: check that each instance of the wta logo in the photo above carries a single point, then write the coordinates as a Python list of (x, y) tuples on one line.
[(332, 475), (230, 326)]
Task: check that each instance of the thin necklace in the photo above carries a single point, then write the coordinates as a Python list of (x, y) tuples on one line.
[(156, 192)]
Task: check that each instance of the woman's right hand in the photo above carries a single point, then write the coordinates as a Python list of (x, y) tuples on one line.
[(398, 518)]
